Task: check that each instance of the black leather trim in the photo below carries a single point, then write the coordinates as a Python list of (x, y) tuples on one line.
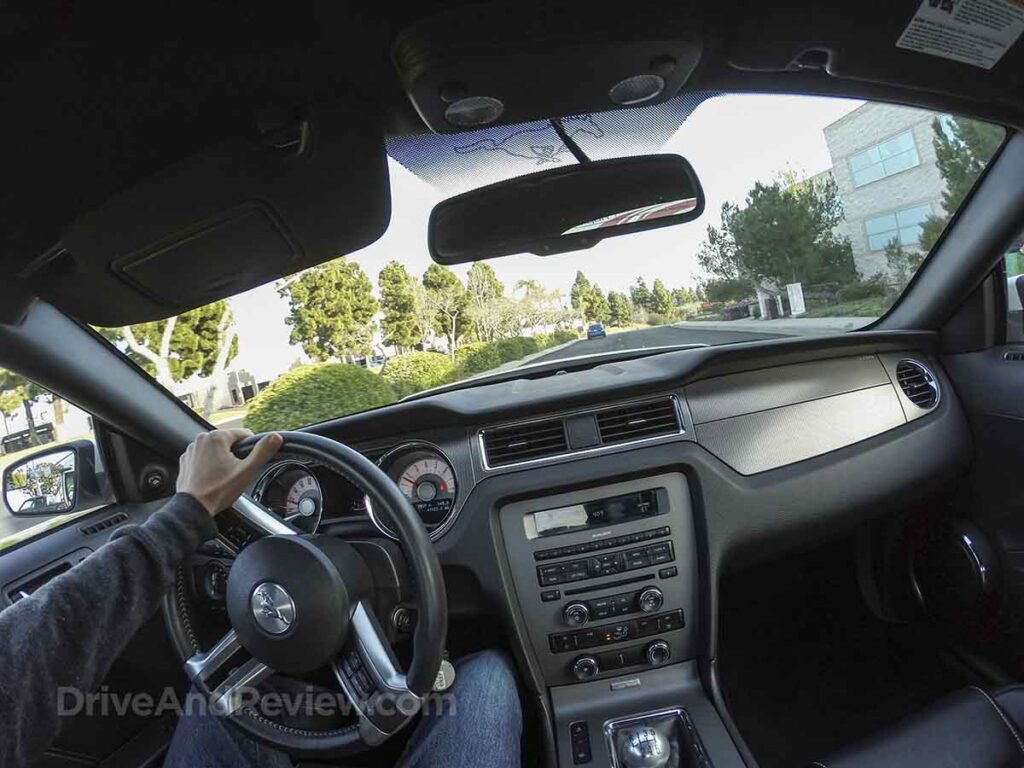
[(968, 729)]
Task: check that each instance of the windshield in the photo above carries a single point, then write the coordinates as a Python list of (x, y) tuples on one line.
[(818, 213)]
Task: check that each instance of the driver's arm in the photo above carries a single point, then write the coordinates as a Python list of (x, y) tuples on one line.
[(63, 638)]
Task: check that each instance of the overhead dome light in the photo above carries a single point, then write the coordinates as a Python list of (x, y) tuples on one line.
[(636, 89), (473, 111)]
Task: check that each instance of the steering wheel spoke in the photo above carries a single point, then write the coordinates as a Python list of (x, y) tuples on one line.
[(261, 517), (371, 679), (238, 685)]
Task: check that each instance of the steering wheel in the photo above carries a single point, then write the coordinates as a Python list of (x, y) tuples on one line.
[(298, 603)]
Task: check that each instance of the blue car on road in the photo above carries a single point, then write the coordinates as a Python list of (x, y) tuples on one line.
[(596, 331)]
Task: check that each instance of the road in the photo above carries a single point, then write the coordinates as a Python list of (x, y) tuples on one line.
[(662, 336)]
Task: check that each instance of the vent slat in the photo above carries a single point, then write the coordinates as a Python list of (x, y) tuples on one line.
[(917, 383), (639, 421), (524, 442)]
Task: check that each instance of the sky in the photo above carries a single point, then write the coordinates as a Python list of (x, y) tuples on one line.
[(731, 141)]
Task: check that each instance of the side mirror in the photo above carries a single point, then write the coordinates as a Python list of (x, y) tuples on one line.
[(51, 482)]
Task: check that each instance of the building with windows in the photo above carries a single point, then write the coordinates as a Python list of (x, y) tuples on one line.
[(883, 162)]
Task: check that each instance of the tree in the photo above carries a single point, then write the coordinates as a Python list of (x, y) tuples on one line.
[(963, 147), (783, 233), (536, 306), (490, 313), (227, 347), (579, 292), (902, 263), (10, 402), (446, 296), (661, 299), (619, 309), (683, 296), (176, 348), (641, 295), (27, 393), (398, 301), (331, 309), (597, 307), (727, 290)]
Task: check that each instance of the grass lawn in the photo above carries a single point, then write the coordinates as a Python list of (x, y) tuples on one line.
[(873, 306), (227, 415)]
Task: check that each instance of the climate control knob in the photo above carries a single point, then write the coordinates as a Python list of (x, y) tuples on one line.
[(576, 614), (585, 668), (658, 653), (650, 600)]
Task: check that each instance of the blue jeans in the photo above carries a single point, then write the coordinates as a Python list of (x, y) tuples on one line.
[(482, 730)]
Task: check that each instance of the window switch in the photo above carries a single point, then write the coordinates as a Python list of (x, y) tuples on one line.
[(579, 740)]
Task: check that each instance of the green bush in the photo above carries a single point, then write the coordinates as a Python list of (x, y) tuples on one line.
[(416, 371), (316, 393), (516, 347), (563, 337), (861, 290), (483, 358), (467, 350)]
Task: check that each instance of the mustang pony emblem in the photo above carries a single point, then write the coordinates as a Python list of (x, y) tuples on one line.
[(273, 608)]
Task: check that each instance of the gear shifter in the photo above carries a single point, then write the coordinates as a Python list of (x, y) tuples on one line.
[(644, 747)]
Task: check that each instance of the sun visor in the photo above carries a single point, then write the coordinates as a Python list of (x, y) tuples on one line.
[(231, 218)]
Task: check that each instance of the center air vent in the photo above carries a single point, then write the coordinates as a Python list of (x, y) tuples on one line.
[(524, 442), (917, 383), (638, 421)]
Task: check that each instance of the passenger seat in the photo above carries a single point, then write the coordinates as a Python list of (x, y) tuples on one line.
[(968, 729)]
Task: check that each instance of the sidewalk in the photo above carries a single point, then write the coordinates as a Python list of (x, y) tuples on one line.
[(787, 326)]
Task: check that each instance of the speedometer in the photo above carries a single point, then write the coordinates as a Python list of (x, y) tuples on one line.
[(427, 479)]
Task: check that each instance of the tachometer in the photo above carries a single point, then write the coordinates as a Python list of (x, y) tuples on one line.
[(291, 491), (427, 479)]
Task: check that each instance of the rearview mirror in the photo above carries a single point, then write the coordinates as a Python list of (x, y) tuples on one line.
[(565, 209)]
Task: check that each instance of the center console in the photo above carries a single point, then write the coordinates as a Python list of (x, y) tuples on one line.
[(605, 577), (606, 582)]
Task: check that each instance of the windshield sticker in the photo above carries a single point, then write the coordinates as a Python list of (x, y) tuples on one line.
[(645, 213), (540, 144), (457, 162), (976, 32)]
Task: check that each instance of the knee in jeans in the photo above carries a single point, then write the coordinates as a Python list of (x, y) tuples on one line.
[(491, 674)]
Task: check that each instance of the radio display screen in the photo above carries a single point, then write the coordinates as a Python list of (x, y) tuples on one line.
[(594, 514)]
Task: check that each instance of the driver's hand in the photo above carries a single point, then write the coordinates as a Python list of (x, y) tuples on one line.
[(213, 474)]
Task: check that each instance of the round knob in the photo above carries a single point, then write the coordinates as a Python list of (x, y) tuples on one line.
[(576, 614), (658, 653), (585, 668), (644, 747), (651, 600)]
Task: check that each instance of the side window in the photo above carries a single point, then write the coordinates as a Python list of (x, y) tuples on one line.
[(1014, 262), (50, 462)]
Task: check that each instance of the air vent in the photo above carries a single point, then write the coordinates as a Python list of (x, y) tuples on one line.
[(102, 525), (524, 442), (1013, 355), (917, 383), (638, 421)]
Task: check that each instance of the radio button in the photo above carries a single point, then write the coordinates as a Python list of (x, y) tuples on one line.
[(671, 621), (647, 626), (588, 638), (562, 643), (637, 558), (550, 595)]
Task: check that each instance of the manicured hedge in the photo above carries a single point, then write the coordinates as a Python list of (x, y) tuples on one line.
[(316, 393), (416, 371)]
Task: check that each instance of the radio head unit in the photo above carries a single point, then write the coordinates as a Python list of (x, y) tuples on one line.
[(596, 514)]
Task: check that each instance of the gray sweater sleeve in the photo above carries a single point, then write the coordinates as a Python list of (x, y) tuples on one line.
[(67, 634)]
